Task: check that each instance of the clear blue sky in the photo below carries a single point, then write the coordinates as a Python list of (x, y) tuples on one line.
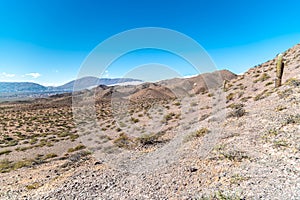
[(46, 41)]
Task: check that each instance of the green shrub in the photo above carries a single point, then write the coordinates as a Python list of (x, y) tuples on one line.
[(77, 148), (293, 82), (123, 141), (264, 77), (237, 110), (5, 152), (33, 186), (5, 166), (134, 120), (229, 97), (50, 155), (177, 103), (168, 117), (201, 132), (148, 139)]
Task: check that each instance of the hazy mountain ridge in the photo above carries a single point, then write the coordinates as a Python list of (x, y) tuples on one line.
[(23, 90), (89, 81), (9, 87)]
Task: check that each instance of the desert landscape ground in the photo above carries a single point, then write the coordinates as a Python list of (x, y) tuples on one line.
[(174, 139)]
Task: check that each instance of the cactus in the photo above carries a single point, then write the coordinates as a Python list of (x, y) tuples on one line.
[(279, 71), (224, 85)]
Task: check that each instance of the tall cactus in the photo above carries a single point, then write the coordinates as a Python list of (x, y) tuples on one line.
[(224, 85), (279, 70)]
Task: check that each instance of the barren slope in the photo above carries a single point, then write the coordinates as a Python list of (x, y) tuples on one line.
[(199, 146)]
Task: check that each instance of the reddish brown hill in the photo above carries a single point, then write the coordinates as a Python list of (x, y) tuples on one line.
[(152, 91)]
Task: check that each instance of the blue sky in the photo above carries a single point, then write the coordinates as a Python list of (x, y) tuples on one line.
[(47, 41)]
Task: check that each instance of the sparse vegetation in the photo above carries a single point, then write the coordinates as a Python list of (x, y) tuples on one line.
[(234, 155), (199, 133), (280, 143), (293, 82), (285, 93), (168, 117), (33, 186), (41, 128), (123, 141), (50, 155), (280, 108), (229, 97), (7, 166), (148, 139), (237, 110), (292, 119), (262, 78), (177, 103), (77, 148), (262, 95), (134, 120), (5, 152)]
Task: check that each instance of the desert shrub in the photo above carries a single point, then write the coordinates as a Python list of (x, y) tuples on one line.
[(203, 117), (33, 186), (77, 148), (11, 143), (201, 132), (177, 103), (235, 105), (269, 83), (237, 178), (237, 110), (33, 141), (24, 148), (63, 134), (264, 77), (234, 155), (5, 152), (22, 163), (280, 143), (280, 108), (177, 116), (123, 141), (79, 156), (273, 132), (285, 93), (5, 166), (134, 120), (148, 139), (292, 119), (245, 99), (73, 137), (229, 97), (50, 155), (293, 82), (262, 95), (219, 195), (168, 117), (240, 94)]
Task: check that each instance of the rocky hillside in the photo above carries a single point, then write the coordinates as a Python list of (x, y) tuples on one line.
[(237, 142)]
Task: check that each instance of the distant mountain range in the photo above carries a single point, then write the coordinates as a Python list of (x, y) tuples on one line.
[(9, 87), (89, 81), (28, 89)]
